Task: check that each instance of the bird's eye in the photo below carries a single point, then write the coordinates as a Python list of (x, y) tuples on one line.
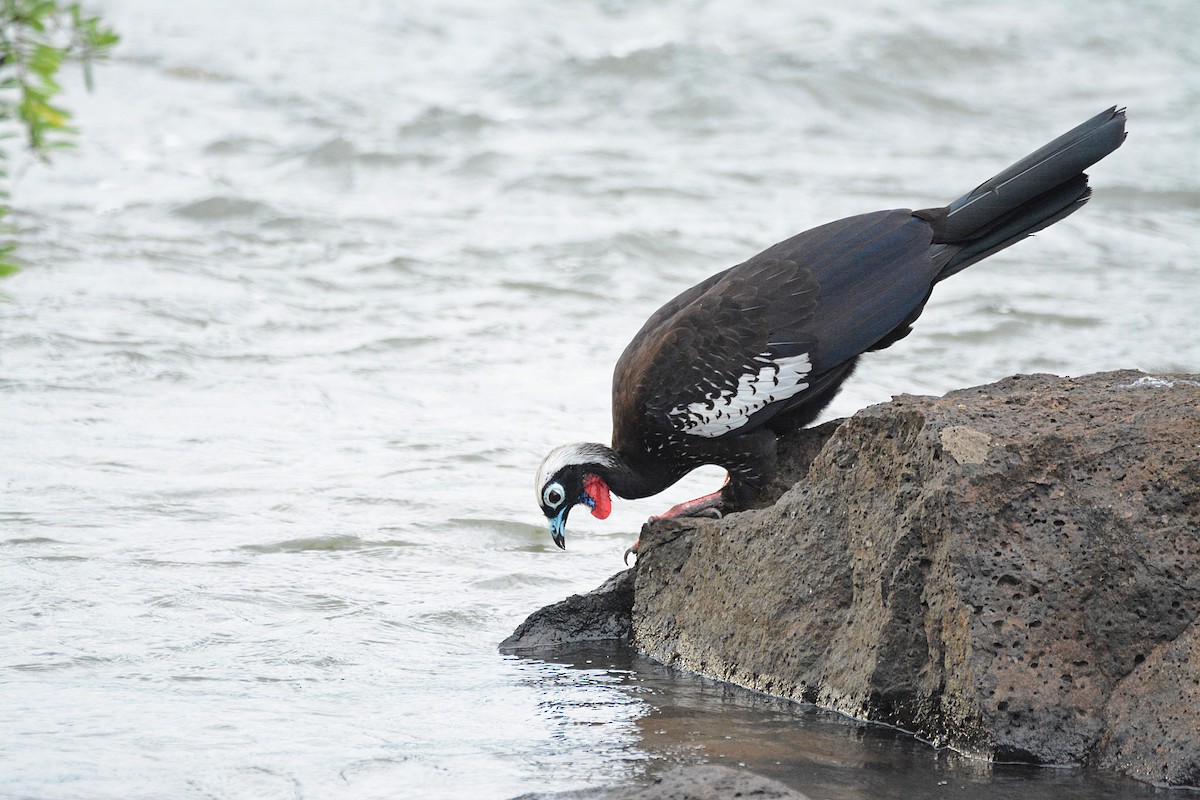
[(553, 495)]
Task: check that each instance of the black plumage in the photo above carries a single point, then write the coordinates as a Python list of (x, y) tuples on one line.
[(763, 346)]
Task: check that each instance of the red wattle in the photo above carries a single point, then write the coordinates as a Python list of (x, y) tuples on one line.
[(598, 491)]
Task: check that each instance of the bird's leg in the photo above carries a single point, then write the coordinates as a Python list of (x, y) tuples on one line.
[(708, 505), (754, 453)]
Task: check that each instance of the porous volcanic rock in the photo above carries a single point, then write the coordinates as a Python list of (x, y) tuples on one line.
[(1154, 715), (1012, 570), (602, 614)]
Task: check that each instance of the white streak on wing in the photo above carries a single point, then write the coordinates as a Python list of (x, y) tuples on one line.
[(765, 382)]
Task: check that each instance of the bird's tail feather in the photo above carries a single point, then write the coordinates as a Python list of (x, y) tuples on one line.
[(1032, 194)]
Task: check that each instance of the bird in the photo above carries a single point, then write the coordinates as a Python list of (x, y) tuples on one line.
[(761, 348)]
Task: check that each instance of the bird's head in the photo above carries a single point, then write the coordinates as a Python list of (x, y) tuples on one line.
[(569, 476)]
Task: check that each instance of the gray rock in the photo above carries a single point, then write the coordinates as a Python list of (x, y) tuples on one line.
[(1011, 570), (686, 782), (602, 614), (1154, 715)]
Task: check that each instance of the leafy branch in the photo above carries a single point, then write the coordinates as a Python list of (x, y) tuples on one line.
[(36, 38)]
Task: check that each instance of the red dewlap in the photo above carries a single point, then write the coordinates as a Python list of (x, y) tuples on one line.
[(597, 489)]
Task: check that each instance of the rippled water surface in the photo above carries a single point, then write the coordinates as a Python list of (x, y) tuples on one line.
[(324, 280)]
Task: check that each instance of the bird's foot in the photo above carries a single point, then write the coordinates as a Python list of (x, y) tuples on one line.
[(710, 505), (707, 506)]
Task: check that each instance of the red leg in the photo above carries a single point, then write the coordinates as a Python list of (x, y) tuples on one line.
[(693, 508), (701, 506), (697, 507)]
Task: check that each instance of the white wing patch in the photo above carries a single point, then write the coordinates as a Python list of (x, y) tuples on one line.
[(766, 381)]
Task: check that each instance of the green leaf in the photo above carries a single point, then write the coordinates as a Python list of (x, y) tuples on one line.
[(36, 38)]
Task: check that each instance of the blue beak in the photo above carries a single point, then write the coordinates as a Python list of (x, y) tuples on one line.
[(558, 526)]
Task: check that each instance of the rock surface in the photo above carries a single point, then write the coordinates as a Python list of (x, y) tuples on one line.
[(695, 782), (602, 614), (1012, 570)]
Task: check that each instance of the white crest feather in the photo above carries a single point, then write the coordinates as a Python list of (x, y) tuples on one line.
[(766, 381), (566, 455)]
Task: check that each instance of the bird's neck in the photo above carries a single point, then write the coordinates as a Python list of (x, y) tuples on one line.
[(628, 479)]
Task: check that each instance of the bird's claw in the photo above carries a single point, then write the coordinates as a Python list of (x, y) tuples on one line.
[(632, 551)]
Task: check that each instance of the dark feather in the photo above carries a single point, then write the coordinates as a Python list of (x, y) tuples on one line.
[(819, 299)]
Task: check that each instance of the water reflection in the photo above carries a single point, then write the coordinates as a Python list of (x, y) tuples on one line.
[(651, 717)]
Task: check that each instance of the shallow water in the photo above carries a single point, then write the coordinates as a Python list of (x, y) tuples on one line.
[(324, 281)]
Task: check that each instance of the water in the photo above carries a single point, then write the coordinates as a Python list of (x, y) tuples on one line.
[(324, 281)]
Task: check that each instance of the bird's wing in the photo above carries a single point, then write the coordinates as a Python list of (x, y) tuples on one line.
[(875, 272), (711, 364), (750, 342)]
